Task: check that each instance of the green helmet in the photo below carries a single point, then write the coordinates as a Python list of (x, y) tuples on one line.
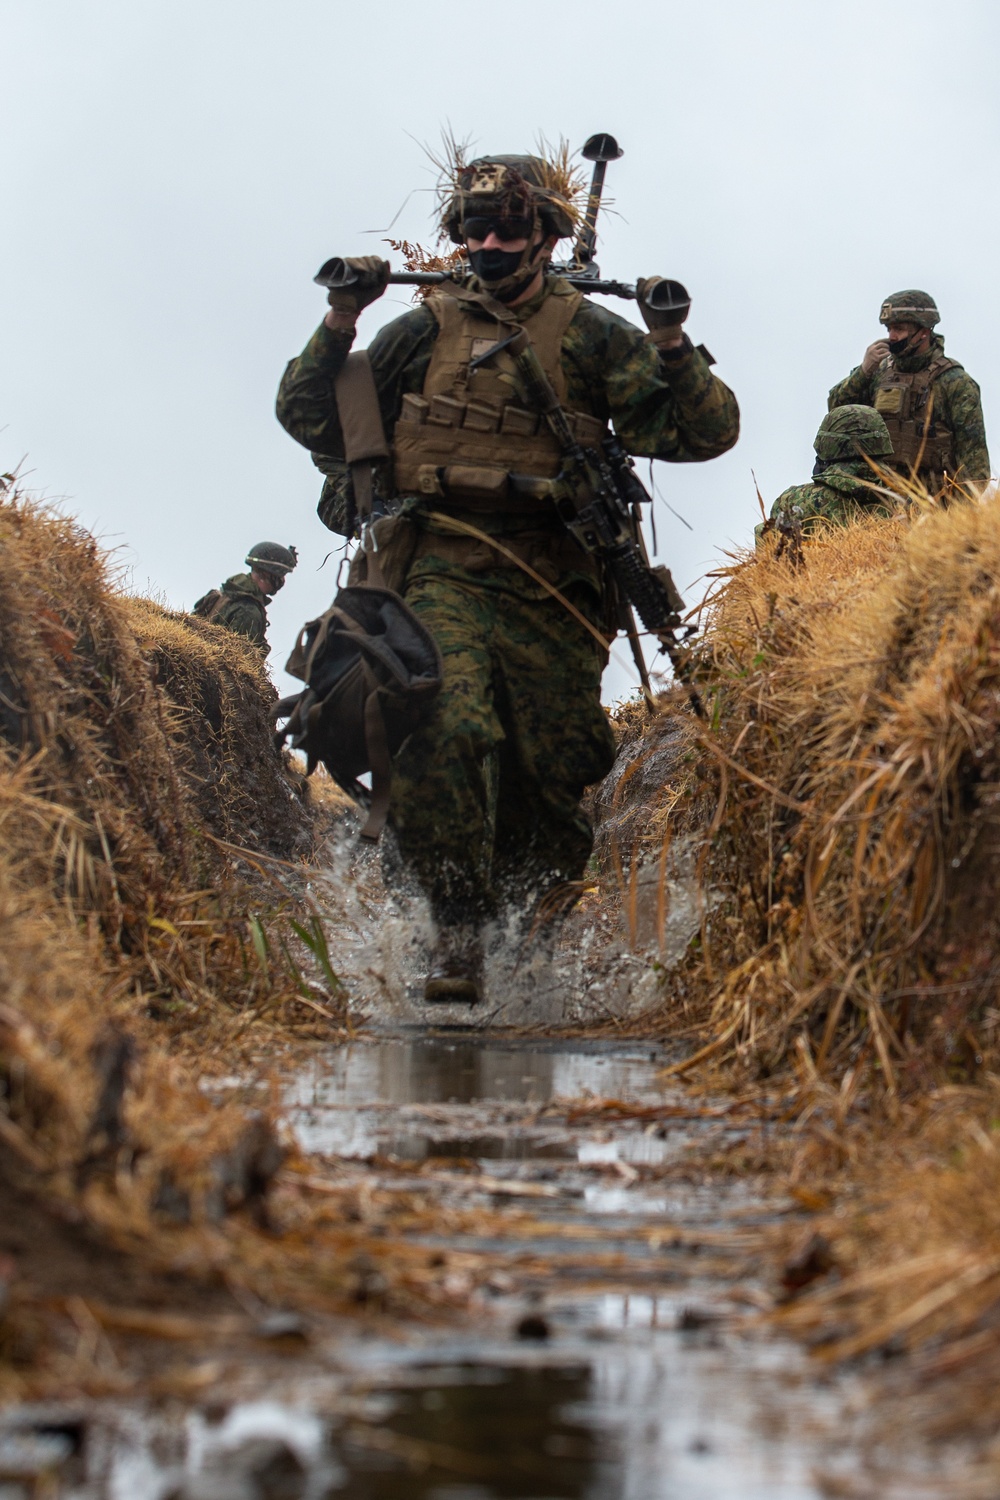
[(910, 307), (848, 431), (272, 557), (509, 187)]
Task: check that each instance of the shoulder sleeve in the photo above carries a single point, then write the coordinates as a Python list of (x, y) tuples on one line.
[(856, 390), (674, 410), (964, 415), (306, 406)]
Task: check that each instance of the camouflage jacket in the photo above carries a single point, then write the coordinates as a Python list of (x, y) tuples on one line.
[(957, 404), (840, 494), (674, 410), (244, 609)]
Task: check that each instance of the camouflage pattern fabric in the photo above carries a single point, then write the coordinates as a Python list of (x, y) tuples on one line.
[(957, 404), (243, 609), (839, 495), (671, 409), (486, 794)]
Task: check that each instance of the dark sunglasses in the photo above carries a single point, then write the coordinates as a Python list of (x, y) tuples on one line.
[(477, 228)]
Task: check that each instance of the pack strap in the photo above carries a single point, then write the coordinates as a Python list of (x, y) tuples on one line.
[(379, 760), (361, 425)]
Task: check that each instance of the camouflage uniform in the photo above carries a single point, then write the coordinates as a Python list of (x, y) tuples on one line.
[(840, 493), (908, 388), (244, 609), (841, 489), (486, 794)]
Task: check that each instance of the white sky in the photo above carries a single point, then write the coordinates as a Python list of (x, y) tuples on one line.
[(173, 173)]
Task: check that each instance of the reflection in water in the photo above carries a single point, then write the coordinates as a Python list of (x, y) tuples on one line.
[(328, 1100), (485, 1431), (434, 1071)]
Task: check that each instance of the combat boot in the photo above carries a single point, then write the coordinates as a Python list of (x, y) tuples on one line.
[(455, 974)]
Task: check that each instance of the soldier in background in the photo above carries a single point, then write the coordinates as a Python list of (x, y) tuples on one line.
[(930, 406), (241, 603), (844, 485)]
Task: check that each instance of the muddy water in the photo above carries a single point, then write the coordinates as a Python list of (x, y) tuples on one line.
[(607, 1275)]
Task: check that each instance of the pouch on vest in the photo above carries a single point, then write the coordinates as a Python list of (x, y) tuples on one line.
[(371, 670)]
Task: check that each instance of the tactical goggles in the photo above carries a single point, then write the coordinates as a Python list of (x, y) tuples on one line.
[(480, 227)]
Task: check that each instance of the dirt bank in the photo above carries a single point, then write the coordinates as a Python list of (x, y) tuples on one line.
[(840, 813)]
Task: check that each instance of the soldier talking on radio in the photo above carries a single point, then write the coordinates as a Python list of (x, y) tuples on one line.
[(928, 402)]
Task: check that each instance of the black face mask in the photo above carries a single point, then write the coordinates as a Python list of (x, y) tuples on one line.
[(494, 265), (899, 346)]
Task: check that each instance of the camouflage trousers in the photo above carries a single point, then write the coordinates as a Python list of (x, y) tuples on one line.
[(486, 793)]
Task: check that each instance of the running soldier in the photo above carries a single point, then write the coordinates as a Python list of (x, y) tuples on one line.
[(486, 792)]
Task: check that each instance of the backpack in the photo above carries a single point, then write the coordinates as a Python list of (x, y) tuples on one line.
[(371, 670), (208, 605)]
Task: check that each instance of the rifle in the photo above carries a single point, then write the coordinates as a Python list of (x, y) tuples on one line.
[(597, 495)]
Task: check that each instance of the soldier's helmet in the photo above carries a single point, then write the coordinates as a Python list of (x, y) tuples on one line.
[(507, 187), (910, 307), (272, 557), (848, 431)]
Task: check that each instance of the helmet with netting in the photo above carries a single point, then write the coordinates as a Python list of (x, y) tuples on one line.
[(848, 431), (508, 187), (272, 557), (910, 307)]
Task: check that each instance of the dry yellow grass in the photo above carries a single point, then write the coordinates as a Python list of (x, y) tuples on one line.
[(135, 765), (847, 789), (851, 771)]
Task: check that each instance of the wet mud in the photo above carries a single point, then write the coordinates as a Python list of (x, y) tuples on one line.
[(607, 1274)]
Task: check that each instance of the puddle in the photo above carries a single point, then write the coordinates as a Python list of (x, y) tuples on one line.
[(657, 1416), (598, 1344), (338, 1103)]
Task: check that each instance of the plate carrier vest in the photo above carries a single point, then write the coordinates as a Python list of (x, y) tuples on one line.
[(903, 402), (460, 439)]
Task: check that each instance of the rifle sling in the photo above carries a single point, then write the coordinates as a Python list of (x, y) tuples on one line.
[(379, 760)]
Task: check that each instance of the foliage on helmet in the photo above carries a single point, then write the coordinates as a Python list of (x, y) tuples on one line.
[(417, 257), (272, 557), (848, 431), (549, 185), (910, 307)]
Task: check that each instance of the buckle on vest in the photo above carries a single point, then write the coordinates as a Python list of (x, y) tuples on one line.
[(429, 480)]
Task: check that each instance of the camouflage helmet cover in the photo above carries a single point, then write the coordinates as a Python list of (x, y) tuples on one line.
[(272, 557), (848, 431), (510, 187), (910, 307)]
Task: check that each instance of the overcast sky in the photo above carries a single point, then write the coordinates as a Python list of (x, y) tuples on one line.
[(175, 172)]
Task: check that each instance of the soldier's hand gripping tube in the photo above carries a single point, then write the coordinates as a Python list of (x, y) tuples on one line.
[(663, 303), (596, 505), (361, 279)]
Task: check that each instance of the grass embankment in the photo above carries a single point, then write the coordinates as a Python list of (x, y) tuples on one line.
[(847, 792), (156, 928)]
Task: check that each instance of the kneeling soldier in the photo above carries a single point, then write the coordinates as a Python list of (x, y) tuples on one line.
[(844, 485), (486, 792), (241, 603)]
